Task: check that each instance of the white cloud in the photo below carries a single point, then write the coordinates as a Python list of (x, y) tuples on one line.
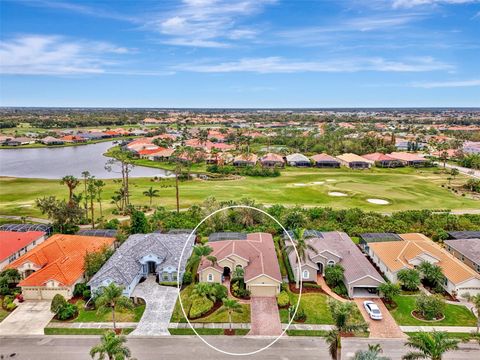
[(448, 84), (207, 23), (55, 55), (413, 3), (280, 65)]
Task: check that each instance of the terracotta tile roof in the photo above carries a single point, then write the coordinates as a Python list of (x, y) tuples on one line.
[(150, 151), (13, 241), (405, 156), (163, 152), (378, 157), (323, 157), (349, 157), (247, 157), (61, 258), (271, 157), (258, 249), (397, 254)]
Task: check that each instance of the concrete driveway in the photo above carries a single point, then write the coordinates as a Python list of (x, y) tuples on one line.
[(29, 318), (264, 316), (160, 302), (385, 328)]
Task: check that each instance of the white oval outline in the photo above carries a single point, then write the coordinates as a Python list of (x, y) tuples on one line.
[(298, 274)]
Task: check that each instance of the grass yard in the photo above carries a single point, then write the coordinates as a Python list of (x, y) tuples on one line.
[(405, 189), (205, 331), (455, 315), (451, 335), (120, 316), (316, 309), (66, 331), (216, 317), (3, 314)]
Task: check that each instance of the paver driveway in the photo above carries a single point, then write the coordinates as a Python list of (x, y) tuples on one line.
[(30, 318), (160, 301), (385, 328), (265, 319)]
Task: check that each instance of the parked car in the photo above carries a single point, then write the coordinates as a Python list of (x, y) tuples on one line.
[(372, 310)]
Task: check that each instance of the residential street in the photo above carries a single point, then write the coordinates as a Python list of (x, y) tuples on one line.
[(176, 348)]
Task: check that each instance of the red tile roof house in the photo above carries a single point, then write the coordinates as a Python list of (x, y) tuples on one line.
[(409, 159), (272, 160), (256, 255), (382, 160), (245, 160), (325, 161), (14, 244), (353, 161), (56, 265)]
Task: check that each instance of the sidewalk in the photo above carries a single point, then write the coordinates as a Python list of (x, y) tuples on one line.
[(454, 329)]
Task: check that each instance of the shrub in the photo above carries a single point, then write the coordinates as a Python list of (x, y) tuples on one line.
[(340, 290), (86, 294), (239, 290), (430, 307), (11, 306), (168, 283), (200, 306), (58, 302), (67, 311), (283, 299), (79, 289), (410, 279), (334, 275), (187, 278), (300, 315)]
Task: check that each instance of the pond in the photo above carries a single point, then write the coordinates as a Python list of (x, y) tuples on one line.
[(55, 163)]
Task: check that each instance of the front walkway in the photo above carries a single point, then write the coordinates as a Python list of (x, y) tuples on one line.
[(265, 319), (326, 288), (385, 328), (30, 318), (160, 302)]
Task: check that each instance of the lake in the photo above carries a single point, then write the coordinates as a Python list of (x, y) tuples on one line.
[(55, 163)]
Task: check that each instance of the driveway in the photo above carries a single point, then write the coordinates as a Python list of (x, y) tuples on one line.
[(264, 317), (160, 301), (385, 328), (29, 318)]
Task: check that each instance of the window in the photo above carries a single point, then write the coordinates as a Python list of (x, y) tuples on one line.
[(174, 276), (210, 277), (305, 274), (165, 276), (330, 263), (463, 258)]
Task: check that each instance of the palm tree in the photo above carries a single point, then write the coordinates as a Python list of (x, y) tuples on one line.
[(151, 193), (85, 176), (371, 354), (302, 247), (92, 194), (430, 345), (111, 346), (71, 182), (432, 273), (112, 298), (200, 252), (231, 306), (99, 184), (341, 314), (409, 278)]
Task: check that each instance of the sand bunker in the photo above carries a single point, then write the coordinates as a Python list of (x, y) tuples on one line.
[(318, 182), (299, 184), (378, 201), (336, 193)]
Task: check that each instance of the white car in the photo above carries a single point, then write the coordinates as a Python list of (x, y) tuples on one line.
[(372, 310)]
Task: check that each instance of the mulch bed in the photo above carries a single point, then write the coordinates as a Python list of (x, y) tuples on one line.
[(305, 290), (214, 308), (229, 332)]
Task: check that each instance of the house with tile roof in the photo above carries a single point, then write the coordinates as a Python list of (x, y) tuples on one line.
[(409, 159), (272, 160), (243, 160), (382, 160), (360, 277), (325, 161), (354, 161), (466, 250), (298, 160), (14, 244), (256, 255), (56, 265), (142, 255), (393, 256)]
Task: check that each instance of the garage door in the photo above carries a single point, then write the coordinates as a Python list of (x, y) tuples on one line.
[(257, 290)]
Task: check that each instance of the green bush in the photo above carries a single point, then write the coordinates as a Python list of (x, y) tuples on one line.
[(311, 286), (79, 289), (187, 278), (430, 307), (11, 306), (334, 275), (86, 294), (341, 290), (286, 260), (239, 290), (283, 300), (58, 302), (168, 283), (67, 311), (200, 306), (300, 315)]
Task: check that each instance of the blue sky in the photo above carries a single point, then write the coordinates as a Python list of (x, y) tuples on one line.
[(240, 53)]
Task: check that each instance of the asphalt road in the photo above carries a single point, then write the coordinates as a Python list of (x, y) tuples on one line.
[(186, 347)]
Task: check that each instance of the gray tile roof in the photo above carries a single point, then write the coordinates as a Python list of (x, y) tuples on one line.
[(124, 265), (355, 264), (470, 248)]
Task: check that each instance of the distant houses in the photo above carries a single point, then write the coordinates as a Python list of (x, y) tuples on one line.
[(325, 161), (409, 159), (272, 160), (383, 160), (243, 160), (298, 160), (354, 161)]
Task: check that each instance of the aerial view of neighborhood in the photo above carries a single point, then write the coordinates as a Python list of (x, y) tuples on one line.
[(188, 204)]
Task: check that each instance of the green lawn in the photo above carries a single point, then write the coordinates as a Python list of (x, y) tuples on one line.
[(405, 189), (217, 316), (316, 309), (205, 331), (120, 316), (322, 333), (3, 314), (455, 315), (452, 335), (66, 331)]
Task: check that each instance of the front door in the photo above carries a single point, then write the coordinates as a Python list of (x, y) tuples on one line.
[(151, 267), (320, 268)]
